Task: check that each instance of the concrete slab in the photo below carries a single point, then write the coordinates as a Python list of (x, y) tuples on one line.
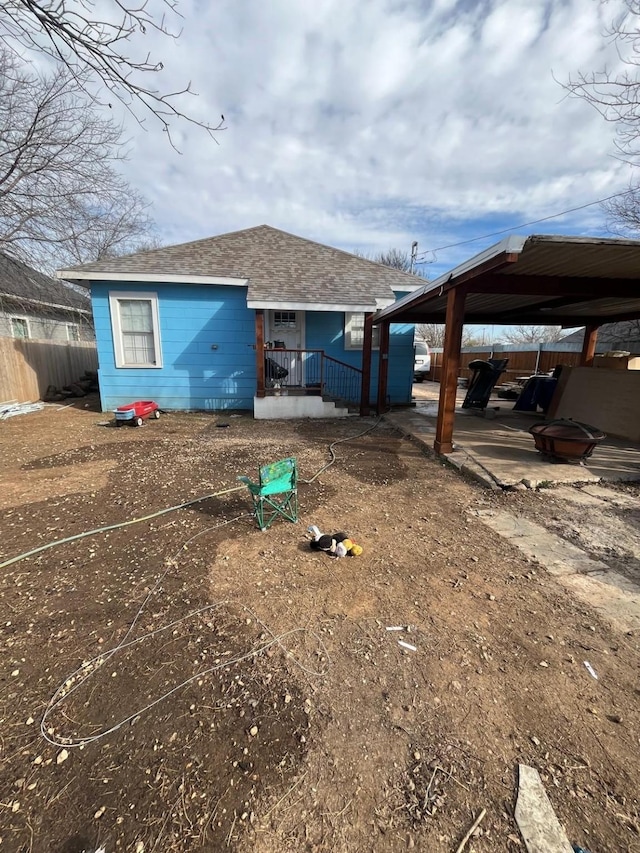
[(609, 595), (597, 496), (501, 448), (557, 555), (611, 496), (614, 596), (579, 496)]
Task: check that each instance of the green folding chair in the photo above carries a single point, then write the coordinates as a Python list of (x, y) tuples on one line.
[(276, 493)]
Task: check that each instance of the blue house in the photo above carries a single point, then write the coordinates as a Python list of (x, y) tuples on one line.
[(257, 319)]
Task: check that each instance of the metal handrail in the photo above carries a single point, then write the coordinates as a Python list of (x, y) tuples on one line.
[(311, 369), (344, 364)]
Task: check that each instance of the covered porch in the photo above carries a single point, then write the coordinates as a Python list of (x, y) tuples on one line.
[(293, 381), (316, 363), (537, 280)]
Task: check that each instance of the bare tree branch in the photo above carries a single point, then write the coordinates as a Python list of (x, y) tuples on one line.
[(624, 212), (433, 334), (616, 97), (62, 198), (93, 40), (397, 259), (533, 334)]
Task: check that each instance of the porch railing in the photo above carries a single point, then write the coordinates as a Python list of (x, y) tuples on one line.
[(306, 371)]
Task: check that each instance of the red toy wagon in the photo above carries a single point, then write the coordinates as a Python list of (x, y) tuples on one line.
[(136, 413)]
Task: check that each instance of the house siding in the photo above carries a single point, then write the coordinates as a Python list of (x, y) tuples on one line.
[(47, 327), (192, 318), (325, 330)]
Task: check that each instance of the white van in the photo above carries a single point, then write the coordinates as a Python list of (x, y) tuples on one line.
[(422, 360)]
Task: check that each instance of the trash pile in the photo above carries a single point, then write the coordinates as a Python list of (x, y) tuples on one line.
[(79, 388), (12, 408)]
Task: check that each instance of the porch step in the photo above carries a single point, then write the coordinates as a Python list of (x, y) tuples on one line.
[(296, 406), (339, 402)]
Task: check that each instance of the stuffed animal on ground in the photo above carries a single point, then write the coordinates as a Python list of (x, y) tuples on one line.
[(336, 545)]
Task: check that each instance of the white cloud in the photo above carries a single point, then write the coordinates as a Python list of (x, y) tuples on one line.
[(372, 123)]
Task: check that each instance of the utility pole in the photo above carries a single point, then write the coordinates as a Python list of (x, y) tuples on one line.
[(414, 254)]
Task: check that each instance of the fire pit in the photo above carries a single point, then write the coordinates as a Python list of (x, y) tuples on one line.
[(566, 440)]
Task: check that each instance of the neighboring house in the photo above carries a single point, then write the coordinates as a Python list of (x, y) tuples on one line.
[(213, 325), (33, 305), (612, 336)]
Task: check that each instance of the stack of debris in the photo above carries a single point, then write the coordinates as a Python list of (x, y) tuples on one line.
[(80, 388), (12, 408)]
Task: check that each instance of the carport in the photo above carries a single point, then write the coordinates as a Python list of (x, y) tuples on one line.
[(536, 280)]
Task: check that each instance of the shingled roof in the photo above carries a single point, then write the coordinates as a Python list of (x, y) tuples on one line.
[(277, 267), (25, 286), (624, 335)]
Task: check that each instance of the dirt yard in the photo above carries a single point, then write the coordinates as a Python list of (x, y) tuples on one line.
[(298, 722)]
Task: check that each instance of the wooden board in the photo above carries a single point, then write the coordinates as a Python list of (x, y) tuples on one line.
[(607, 399), (540, 828), (623, 362)]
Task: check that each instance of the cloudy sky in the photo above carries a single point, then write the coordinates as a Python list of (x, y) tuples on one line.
[(368, 124)]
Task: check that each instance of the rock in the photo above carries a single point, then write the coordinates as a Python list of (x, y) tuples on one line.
[(253, 731), (543, 663), (62, 756), (99, 813), (455, 685), (30, 721)]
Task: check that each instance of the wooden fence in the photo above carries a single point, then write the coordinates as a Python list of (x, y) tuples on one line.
[(28, 367), (521, 363)]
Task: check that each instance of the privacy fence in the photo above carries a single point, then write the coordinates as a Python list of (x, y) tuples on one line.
[(28, 367), (524, 359)]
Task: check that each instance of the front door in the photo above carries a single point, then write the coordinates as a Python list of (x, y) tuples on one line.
[(286, 330)]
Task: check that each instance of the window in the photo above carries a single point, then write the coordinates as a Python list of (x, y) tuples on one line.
[(284, 320), (136, 329), (73, 332), (20, 327), (354, 332)]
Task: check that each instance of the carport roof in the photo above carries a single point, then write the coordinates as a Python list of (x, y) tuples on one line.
[(536, 280)]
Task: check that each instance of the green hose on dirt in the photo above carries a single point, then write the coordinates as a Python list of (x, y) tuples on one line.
[(173, 508), (115, 526)]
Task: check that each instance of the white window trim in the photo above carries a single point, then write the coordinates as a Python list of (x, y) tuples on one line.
[(347, 333), (75, 326), (116, 329), (13, 317)]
